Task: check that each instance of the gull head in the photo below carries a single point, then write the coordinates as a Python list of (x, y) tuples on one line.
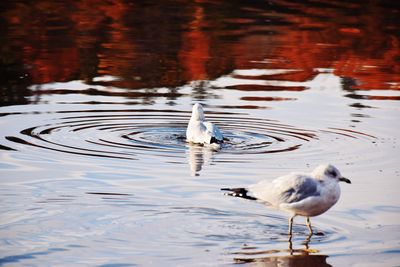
[(328, 172), (197, 112)]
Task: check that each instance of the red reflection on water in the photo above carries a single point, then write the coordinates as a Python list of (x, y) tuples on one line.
[(367, 52), (62, 65), (169, 44), (194, 54)]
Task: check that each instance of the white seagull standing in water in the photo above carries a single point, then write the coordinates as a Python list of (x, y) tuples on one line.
[(201, 132), (297, 193)]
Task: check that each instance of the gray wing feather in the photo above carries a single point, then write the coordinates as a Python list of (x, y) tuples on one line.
[(305, 187)]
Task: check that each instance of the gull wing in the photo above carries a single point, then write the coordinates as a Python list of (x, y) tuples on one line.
[(286, 189), (213, 131)]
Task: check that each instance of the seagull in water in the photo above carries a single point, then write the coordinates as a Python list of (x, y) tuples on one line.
[(297, 193), (200, 131)]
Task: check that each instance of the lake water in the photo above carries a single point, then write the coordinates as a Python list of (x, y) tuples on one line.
[(95, 98)]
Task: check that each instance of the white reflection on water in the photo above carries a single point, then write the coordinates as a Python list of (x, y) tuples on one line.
[(199, 156), (320, 80)]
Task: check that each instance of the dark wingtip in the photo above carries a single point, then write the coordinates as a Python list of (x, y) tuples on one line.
[(238, 192), (216, 141)]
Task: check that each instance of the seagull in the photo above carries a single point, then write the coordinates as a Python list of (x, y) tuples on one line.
[(301, 194), (200, 131)]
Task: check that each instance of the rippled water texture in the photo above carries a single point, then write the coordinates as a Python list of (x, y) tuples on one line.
[(95, 97)]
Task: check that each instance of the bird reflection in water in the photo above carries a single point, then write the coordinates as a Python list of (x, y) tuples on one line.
[(198, 156), (290, 257)]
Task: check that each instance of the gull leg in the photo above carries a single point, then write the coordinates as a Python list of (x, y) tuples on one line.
[(290, 245), (309, 225), (307, 242), (290, 225)]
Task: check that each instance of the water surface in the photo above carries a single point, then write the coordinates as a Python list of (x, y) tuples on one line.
[(94, 166)]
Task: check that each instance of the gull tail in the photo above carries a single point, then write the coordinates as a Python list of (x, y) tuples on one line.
[(238, 192)]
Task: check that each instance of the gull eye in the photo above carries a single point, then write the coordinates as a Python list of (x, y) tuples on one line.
[(331, 173)]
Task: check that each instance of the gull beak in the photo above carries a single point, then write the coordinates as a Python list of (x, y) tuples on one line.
[(343, 179)]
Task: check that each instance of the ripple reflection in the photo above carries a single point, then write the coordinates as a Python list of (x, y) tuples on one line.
[(133, 134), (125, 136)]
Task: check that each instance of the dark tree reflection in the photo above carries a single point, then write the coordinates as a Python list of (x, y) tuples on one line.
[(170, 43)]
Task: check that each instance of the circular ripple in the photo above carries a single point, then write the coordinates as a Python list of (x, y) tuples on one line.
[(129, 134)]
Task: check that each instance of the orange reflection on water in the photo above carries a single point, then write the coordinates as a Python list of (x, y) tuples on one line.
[(194, 54), (159, 44)]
